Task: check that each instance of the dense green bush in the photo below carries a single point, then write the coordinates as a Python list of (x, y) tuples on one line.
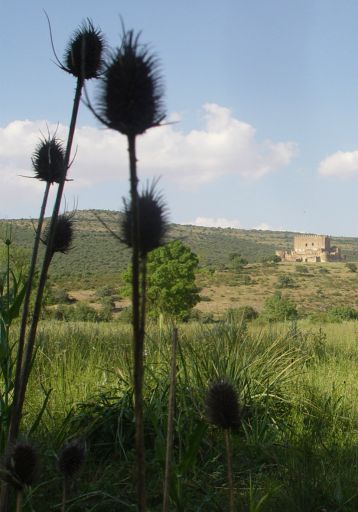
[(352, 267), (301, 269), (343, 313), (278, 308), (80, 312), (285, 281)]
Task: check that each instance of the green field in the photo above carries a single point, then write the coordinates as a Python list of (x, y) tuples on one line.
[(296, 448)]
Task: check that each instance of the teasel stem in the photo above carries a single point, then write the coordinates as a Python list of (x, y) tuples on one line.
[(19, 497), (65, 488), (143, 295), (25, 310), (170, 427), (230, 477), (138, 336), (26, 367)]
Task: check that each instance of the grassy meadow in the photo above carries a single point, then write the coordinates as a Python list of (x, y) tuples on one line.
[(296, 448)]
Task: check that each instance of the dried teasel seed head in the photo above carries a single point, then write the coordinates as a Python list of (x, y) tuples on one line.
[(84, 53), (63, 237), (71, 458), (153, 220), (48, 161), (21, 465), (222, 406), (130, 99)]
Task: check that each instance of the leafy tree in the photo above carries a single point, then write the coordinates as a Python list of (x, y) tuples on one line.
[(278, 308), (171, 280)]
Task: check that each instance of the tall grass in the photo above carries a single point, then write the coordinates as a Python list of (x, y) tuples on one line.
[(296, 383)]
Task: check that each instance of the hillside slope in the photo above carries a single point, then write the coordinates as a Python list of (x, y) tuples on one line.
[(97, 252)]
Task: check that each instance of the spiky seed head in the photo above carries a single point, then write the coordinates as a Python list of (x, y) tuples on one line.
[(48, 161), (222, 406), (21, 465), (130, 99), (63, 237), (84, 53), (153, 220), (71, 458)]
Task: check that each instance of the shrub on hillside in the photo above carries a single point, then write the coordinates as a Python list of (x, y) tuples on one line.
[(301, 269), (272, 258), (278, 308), (57, 295), (285, 281), (352, 267), (343, 313)]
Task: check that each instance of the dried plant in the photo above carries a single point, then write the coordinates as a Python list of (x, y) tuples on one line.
[(223, 411), (70, 460), (83, 59), (130, 102), (20, 468)]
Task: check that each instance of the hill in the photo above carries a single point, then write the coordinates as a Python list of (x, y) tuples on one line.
[(97, 251), (98, 258)]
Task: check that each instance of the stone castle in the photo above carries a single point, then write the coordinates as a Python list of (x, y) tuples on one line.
[(311, 248)]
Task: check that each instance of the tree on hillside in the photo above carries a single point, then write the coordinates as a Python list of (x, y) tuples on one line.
[(171, 280)]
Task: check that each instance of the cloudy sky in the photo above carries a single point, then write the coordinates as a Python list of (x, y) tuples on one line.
[(262, 95)]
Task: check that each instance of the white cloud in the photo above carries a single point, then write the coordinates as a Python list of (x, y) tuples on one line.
[(343, 164), (264, 227), (220, 222), (223, 146)]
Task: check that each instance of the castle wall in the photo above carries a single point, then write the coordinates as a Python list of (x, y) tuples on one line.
[(312, 248), (308, 243)]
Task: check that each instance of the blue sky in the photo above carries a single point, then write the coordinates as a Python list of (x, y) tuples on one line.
[(265, 95)]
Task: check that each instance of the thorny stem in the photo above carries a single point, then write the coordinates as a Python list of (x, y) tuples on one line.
[(19, 497), (143, 286), (64, 494), (230, 477), (138, 339), (26, 305), (26, 367), (170, 427)]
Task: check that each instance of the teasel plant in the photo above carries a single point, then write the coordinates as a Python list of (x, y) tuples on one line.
[(69, 461), (19, 469), (48, 163), (152, 227), (83, 59), (223, 411), (130, 101)]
